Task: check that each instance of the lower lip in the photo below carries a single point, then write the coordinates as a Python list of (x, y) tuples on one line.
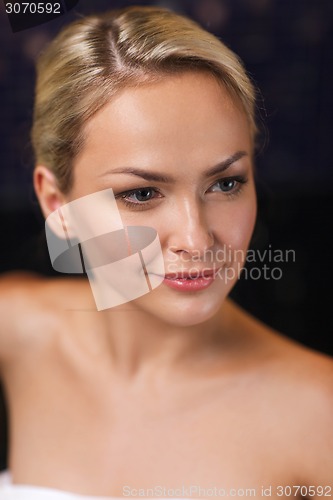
[(189, 285)]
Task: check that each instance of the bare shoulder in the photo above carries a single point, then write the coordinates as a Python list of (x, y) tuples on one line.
[(307, 393), (31, 309), (299, 371), (298, 384)]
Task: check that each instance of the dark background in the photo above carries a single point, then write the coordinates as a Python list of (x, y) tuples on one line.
[(287, 47)]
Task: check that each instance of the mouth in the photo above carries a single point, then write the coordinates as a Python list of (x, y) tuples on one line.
[(183, 275), (190, 281)]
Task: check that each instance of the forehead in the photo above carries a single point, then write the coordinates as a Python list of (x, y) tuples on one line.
[(179, 120)]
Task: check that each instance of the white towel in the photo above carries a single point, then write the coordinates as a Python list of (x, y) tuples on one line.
[(9, 491)]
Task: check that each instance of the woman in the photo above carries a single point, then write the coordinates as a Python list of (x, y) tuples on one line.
[(177, 389)]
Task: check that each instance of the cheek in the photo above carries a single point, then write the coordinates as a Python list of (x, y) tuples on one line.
[(233, 224)]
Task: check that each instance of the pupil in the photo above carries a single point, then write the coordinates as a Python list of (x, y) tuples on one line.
[(227, 185), (143, 194)]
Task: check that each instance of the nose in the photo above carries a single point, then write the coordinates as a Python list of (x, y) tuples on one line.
[(190, 232)]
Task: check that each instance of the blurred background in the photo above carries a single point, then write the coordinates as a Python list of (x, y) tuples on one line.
[(287, 48)]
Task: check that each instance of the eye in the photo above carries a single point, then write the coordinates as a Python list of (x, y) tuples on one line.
[(139, 198), (229, 185), (140, 195), (226, 185)]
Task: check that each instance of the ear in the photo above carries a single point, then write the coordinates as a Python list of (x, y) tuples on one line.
[(48, 193)]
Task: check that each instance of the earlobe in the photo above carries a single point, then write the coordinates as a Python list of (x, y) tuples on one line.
[(46, 187)]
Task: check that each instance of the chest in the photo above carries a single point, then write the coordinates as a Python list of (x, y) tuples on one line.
[(78, 430)]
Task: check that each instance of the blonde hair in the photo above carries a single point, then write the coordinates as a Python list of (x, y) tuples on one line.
[(94, 57)]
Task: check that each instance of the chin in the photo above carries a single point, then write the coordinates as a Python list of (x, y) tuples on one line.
[(182, 309)]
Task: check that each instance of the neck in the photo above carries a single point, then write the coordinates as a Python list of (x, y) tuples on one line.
[(141, 344)]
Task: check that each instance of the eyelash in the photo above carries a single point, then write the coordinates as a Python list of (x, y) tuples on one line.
[(143, 205)]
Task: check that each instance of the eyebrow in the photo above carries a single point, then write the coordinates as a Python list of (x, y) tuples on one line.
[(165, 178)]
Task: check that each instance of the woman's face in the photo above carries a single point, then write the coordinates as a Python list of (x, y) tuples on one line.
[(178, 156)]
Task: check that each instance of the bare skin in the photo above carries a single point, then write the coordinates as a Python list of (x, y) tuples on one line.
[(255, 410), (173, 389)]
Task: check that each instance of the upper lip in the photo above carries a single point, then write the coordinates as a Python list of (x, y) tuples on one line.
[(193, 274)]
